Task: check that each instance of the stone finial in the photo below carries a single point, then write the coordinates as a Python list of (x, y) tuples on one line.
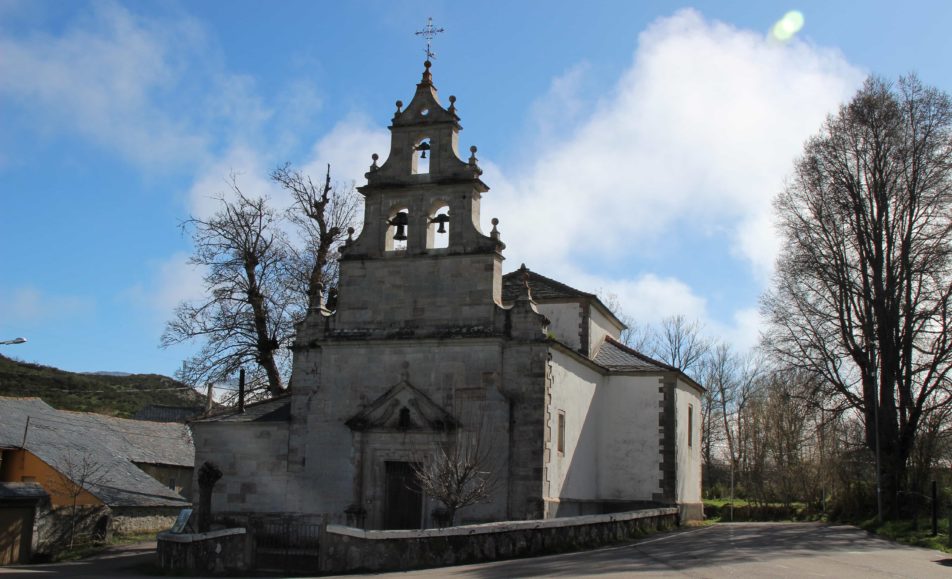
[(472, 156), (427, 76), (495, 232), (452, 108), (399, 107), (374, 157), (350, 235)]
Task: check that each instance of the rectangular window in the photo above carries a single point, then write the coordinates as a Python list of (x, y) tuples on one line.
[(690, 425), (172, 483), (561, 439)]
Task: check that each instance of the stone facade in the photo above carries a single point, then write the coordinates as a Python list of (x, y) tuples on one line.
[(428, 341)]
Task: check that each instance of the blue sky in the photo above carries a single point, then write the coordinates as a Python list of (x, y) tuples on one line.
[(631, 147)]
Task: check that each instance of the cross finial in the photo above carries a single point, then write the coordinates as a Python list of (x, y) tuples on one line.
[(429, 32)]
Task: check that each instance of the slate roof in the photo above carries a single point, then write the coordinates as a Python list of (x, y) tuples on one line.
[(57, 437), (542, 288), (163, 413), (618, 357), (22, 490), (277, 409)]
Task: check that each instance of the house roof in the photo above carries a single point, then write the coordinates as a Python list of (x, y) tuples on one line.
[(277, 409), (542, 288), (22, 490), (545, 289), (60, 438), (618, 357), (163, 413)]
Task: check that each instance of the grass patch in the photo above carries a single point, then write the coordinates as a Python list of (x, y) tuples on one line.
[(720, 510), (90, 548), (907, 532)]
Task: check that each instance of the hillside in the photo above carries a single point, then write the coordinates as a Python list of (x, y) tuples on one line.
[(116, 395)]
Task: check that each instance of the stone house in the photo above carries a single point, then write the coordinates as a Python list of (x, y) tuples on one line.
[(426, 340), (129, 475)]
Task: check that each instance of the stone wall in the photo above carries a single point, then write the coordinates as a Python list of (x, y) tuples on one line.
[(344, 549), (215, 552)]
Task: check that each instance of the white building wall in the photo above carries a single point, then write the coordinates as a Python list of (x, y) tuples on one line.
[(572, 474), (688, 401), (630, 438), (599, 326), (565, 322)]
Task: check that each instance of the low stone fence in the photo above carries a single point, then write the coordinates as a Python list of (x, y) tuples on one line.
[(213, 553), (345, 549)]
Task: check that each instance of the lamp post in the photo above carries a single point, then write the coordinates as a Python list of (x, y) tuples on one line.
[(879, 470), (13, 341)]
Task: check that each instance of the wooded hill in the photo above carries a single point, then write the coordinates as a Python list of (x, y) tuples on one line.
[(113, 394)]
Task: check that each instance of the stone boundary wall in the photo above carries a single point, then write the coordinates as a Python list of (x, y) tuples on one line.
[(345, 549), (217, 552)]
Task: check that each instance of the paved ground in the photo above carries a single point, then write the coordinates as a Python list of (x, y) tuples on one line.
[(725, 550), (125, 561), (728, 550)]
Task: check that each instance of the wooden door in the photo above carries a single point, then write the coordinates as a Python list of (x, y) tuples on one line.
[(16, 534), (404, 506)]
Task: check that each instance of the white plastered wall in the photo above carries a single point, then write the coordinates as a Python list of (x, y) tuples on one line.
[(565, 322), (687, 401), (599, 326), (612, 437)]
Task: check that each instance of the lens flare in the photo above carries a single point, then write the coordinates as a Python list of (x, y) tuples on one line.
[(788, 26)]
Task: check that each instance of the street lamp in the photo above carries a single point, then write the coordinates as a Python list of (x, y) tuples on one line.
[(13, 341)]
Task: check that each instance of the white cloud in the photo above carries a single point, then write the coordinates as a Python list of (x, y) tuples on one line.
[(250, 170), (700, 132), (100, 79), (697, 135), (347, 147)]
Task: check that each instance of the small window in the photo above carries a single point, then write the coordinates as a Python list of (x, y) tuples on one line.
[(561, 435), (172, 483), (690, 425), (27, 479)]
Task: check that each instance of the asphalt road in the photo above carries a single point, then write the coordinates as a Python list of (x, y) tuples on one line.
[(728, 550), (723, 550)]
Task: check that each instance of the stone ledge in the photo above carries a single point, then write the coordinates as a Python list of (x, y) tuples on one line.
[(195, 537), (502, 527)]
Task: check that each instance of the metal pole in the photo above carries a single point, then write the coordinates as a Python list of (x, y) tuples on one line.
[(732, 489), (26, 429), (935, 510), (879, 470)]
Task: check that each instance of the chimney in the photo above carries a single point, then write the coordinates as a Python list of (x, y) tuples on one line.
[(241, 390)]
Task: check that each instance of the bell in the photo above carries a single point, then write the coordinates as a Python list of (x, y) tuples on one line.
[(423, 148), (400, 222), (442, 219)]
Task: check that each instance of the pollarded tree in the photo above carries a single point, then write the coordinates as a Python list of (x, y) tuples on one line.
[(863, 289), (247, 317), (322, 216)]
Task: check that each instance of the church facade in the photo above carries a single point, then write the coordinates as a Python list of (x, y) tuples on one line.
[(427, 341)]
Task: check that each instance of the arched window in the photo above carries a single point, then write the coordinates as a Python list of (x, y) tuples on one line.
[(397, 230), (420, 160), (438, 227)]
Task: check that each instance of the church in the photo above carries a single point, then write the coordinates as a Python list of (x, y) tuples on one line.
[(427, 341)]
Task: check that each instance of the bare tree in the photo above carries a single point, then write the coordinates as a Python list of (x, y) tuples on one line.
[(460, 473), (75, 475), (322, 215), (248, 316), (863, 292), (681, 343)]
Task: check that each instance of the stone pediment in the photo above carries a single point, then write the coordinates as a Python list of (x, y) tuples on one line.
[(403, 408)]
